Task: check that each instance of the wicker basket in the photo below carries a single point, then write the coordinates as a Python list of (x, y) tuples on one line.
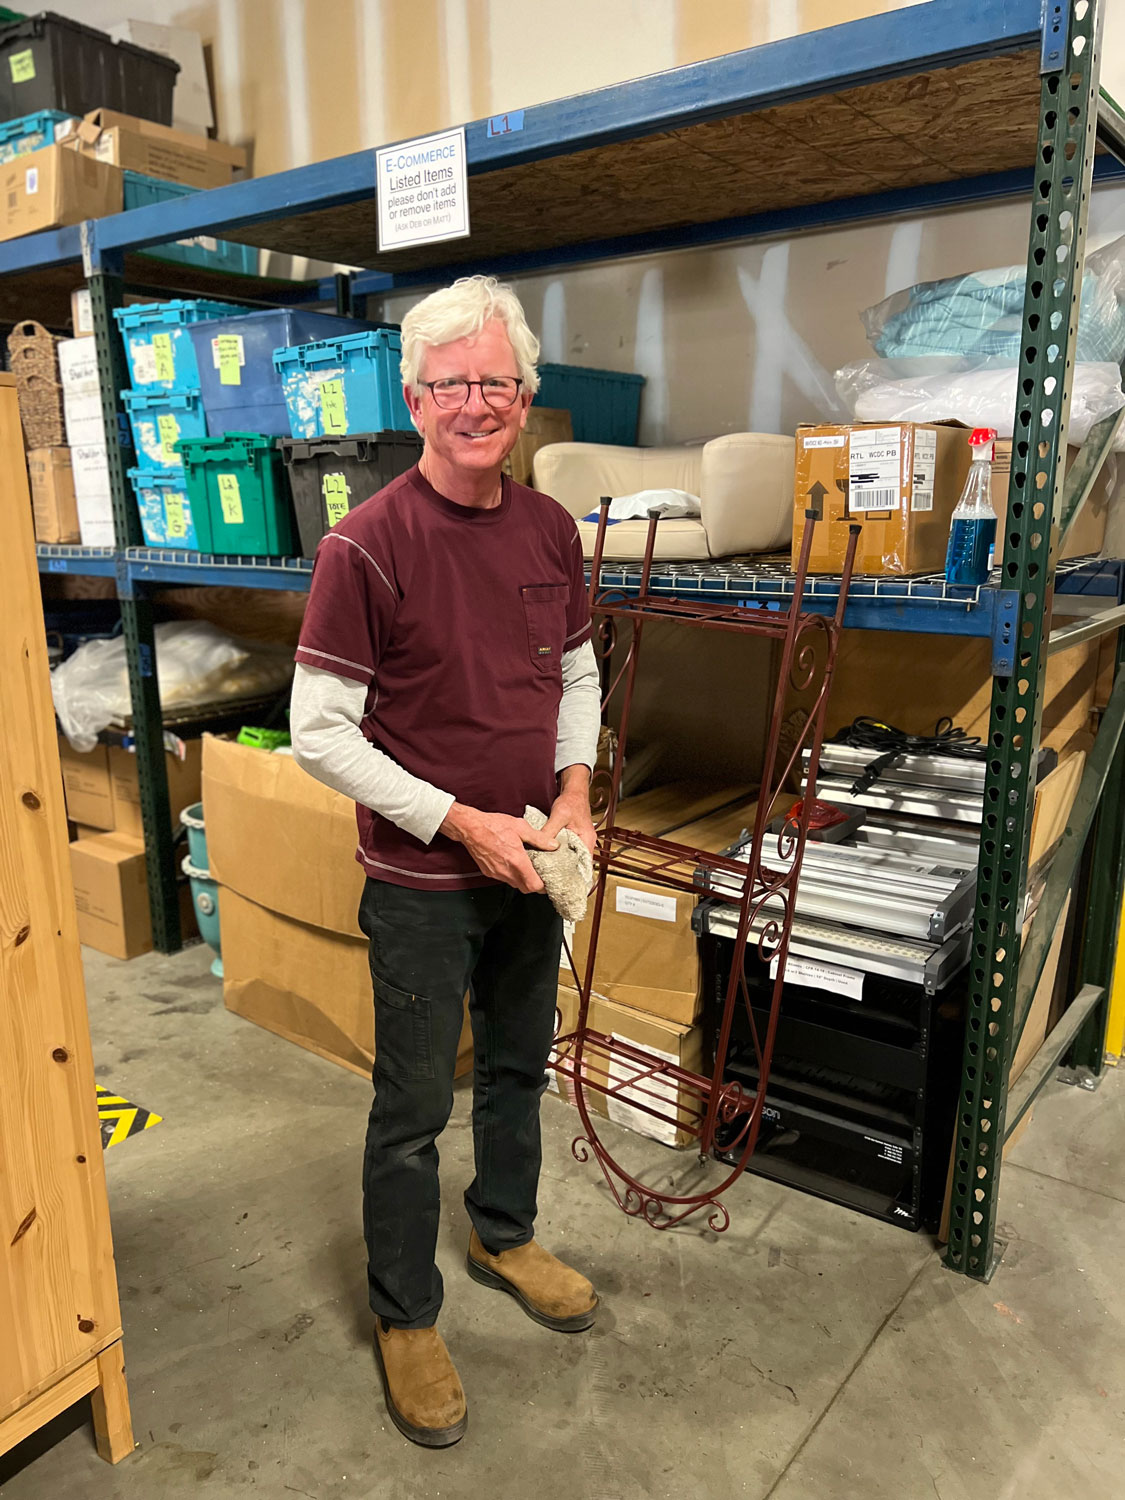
[(33, 360)]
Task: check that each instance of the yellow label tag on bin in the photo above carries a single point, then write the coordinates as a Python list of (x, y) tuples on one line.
[(175, 522), (229, 358), (169, 430), (333, 410), (162, 351), (22, 65), (334, 488), (230, 499)]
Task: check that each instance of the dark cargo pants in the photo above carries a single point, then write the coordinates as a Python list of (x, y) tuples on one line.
[(427, 948)]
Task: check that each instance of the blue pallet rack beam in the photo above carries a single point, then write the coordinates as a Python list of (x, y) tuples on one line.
[(89, 562), (929, 38)]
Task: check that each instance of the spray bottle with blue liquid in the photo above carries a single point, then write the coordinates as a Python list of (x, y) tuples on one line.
[(972, 536)]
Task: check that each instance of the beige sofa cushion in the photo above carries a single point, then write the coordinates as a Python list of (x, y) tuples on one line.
[(744, 481), (747, 492), (682, 540), (577, 475)]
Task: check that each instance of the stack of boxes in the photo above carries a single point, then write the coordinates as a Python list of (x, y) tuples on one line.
[(85, 436), (107, 852), (648, 986)]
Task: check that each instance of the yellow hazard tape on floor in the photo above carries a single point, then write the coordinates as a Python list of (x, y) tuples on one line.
[(120, 1119)]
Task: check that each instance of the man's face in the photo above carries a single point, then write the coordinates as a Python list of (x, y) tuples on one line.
[(478, 436)]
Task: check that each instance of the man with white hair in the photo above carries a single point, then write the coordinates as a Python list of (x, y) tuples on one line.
[(445, 680)]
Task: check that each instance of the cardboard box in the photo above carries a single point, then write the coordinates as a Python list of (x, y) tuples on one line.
[(282, 847), (111, 892), (184, 785), (91, 470), (86, 785), (55, 186), (113, 141), (191, 98), (1087, 535), (681, 1045), (648, 955), (53, 506), (82, 312), (78, 367), (544, 425), (304, 983), (95, 519), (279, 837), (83, 420), (900, 482)]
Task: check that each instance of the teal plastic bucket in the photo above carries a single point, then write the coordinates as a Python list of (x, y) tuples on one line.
[(205, 899), (192, 819)]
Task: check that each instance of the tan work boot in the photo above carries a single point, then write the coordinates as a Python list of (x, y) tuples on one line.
[(551, 1293), (420, 1385)]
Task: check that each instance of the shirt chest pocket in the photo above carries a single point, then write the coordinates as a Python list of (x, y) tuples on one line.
[(544, 608)]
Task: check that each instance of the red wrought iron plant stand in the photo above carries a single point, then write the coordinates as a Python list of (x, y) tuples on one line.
[(762, 886)]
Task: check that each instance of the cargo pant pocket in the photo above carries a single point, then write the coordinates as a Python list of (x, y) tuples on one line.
[(403, 1033)]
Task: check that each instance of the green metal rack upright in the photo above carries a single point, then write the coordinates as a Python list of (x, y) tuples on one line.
[(977, 102)]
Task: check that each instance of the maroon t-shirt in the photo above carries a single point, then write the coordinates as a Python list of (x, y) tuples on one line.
[(456, 621)]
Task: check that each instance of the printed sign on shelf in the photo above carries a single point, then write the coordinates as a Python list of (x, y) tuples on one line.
[(422, 191)]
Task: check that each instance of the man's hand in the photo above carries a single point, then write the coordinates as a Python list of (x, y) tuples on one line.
[(571, 808), (496, 843)]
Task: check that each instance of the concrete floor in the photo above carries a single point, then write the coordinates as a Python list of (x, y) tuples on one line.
[(809, 1352)]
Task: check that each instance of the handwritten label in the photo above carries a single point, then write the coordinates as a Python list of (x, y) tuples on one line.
[(422, 191), (646, 904), (175, 522), (334, 488), (163, 364), (229, 356), (333, 408), (22, 65), (230, 499), (169, 430), (144, 363), (505, 124)]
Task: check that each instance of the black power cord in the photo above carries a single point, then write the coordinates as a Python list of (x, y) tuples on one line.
[(892, 745)]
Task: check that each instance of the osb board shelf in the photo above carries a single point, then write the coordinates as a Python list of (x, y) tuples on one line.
[(972, 119)]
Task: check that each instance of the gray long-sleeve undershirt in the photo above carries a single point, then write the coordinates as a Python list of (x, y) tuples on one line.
[(326, 713)]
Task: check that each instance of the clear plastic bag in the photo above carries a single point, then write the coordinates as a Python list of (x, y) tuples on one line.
[(980, 315), (979, 393), (196, 663)]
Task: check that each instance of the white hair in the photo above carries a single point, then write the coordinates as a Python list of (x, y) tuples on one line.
[(460, 311)]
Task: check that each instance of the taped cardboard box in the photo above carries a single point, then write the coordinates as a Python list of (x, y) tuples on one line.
[(648, 955), (55, 186), (86, 785), (279, 837), (282, 847), (54, 508), (109, 138), (680, 1045), (184, 784), (899, 481), (111, 893), (305, 983), (1087, 535)]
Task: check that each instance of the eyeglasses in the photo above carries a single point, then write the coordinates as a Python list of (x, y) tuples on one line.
[(497, 390)]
